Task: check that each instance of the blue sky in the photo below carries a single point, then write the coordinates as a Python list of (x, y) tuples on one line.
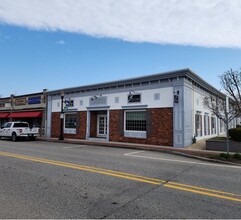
[(37, 52)]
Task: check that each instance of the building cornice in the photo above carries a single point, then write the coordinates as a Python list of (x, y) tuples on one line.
[(142, 81)]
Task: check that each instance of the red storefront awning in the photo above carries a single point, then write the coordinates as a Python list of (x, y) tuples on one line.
[(25, 115), (4, 114)]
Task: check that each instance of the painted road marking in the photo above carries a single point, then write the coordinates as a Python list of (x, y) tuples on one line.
[(133, 154), (129, 176), (75, 146)]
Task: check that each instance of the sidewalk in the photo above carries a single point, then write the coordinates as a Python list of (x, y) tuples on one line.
[(199, 145), (196, 150)]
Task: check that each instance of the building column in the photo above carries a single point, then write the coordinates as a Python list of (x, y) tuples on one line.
[(108, 125), (87, 125)]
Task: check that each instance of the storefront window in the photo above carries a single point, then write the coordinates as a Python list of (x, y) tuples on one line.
[(135, 120), (70, 121)]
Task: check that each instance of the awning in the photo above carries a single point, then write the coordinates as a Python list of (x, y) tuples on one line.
[(4, 114), (25, 115)]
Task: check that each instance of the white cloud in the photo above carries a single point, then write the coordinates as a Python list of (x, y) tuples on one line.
[(210, 23), (60, 42)]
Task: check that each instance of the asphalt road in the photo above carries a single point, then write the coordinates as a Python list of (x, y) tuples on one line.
[(54, 180)]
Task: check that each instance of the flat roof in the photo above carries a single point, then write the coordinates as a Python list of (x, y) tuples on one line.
[(152, 77)]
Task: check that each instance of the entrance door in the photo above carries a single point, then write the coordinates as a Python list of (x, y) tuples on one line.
[(102, 125)]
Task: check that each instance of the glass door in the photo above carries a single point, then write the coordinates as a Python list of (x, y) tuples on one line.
[(102, 125)]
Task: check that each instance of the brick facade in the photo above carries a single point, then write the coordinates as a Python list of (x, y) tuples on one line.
[(80, 126), (83, 121), (93, 124), (55, 124), (159, 126)]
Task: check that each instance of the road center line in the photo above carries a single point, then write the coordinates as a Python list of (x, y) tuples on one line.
[(129, 176)]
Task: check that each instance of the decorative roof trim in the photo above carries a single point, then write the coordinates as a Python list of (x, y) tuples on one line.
[(143, 80)]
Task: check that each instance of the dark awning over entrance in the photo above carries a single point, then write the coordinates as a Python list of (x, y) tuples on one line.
[(25, 115)]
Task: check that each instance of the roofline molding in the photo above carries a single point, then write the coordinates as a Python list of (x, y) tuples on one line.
[(158, 76)]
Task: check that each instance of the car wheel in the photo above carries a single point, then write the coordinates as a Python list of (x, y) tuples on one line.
[(14, 137)]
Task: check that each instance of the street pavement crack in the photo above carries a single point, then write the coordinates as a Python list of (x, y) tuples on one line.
[(179, 174), (148, 191), (133, 200)]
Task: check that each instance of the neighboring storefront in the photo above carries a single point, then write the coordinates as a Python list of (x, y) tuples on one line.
[(163, 109), (30, 108)]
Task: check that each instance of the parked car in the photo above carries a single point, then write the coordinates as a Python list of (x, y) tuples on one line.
[(17, 129)]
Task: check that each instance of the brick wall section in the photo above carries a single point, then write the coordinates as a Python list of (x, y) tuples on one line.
[(55, 123), (160, 127), (93, 124), (80, 127)]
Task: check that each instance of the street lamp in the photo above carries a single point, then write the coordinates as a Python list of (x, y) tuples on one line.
[(61, 136), (12, 104)]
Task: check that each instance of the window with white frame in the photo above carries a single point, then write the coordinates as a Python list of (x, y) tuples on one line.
[(222, 126), (206, 124), (213, 125), (70, 121), (135, 120), (198, 124)]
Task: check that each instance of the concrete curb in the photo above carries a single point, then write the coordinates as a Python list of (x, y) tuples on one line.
[(190, 153)]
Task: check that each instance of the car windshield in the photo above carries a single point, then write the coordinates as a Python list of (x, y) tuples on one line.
[(18, 125)]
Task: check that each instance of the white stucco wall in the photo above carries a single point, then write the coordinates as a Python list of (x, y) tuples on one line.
[(201, 108), (81, 100)]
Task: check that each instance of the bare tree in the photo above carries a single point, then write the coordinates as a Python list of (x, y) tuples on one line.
[(229, 107), (222, 107), (231, 83)]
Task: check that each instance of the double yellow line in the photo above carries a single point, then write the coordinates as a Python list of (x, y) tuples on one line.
[(153, 181)]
